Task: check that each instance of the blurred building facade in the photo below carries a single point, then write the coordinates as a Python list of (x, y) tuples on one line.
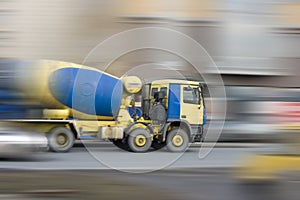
[(254, 43)]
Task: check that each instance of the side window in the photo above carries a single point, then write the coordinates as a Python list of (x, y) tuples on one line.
[(191, 95), (153, 91), (164, 90)]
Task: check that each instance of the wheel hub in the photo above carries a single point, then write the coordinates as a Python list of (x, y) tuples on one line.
[(62, 140), (177, 140), (140, 140)]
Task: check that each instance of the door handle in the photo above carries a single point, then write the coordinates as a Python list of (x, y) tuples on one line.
[(183, 116)]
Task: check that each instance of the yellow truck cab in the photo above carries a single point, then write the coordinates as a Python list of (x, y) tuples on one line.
[(176, 111)]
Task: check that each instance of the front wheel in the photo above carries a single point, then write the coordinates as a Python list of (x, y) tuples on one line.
[(60, 139), (177, 140), (139, 140)]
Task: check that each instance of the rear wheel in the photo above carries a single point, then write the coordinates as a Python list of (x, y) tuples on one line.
[(139, 140), (60, 139), (177, 140)]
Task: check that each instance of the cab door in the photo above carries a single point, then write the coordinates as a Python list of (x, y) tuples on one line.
[(191, 108)]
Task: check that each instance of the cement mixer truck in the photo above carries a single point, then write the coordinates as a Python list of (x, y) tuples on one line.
[(67, 101)]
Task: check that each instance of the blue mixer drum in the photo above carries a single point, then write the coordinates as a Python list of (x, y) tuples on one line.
[(86, 91), (89, 91)]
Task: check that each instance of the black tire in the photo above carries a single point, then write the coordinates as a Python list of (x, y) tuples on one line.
[(157, 144), (139, 140), (122, 144), (60, 139), (178, 144)]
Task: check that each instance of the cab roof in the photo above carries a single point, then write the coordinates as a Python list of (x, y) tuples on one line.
[(174, 81)]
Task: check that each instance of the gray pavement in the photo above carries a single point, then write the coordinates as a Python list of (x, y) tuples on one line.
[(179, 184), (185, 177), (110, 157)]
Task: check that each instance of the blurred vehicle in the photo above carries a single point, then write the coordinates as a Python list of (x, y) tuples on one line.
[(14, 142), (266, 166), (255, 113)]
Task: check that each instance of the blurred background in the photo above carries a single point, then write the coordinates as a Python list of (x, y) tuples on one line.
[(254, 43)]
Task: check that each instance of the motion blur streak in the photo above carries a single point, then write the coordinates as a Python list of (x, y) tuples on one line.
[(254, 43)]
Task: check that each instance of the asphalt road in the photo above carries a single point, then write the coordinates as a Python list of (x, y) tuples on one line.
[(110, 157), (81, 173), (183, 184), (212, 184)]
